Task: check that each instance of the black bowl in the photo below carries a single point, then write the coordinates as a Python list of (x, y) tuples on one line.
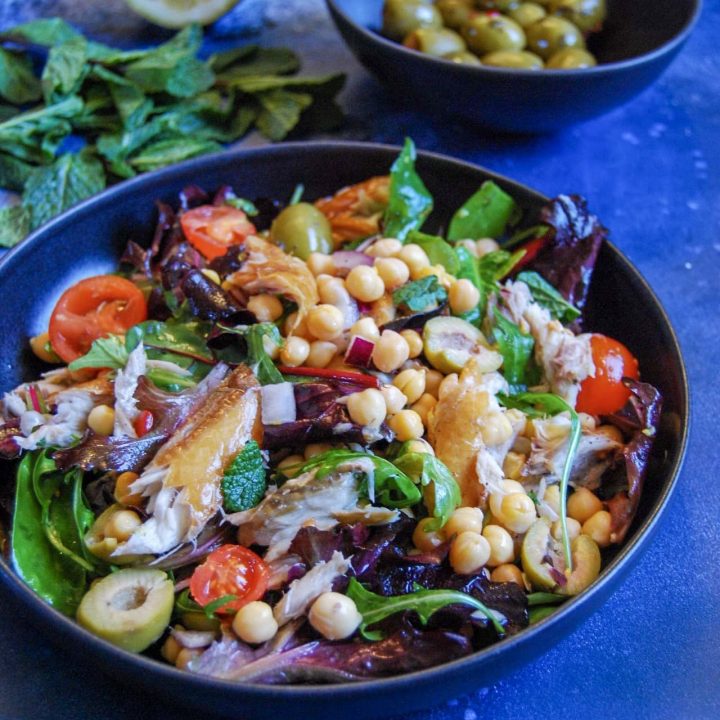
[(90, 238), (640, 39)]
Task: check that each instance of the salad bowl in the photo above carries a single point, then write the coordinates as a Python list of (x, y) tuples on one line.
[(90, 238)]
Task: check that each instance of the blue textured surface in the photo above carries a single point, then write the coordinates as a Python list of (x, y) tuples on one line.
[(651, 172)]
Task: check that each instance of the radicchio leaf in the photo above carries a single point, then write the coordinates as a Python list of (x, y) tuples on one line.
[(8, 447), (103, 453)]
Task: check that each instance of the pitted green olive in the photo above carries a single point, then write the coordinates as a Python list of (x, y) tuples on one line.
[(538, 545), (435, 42), (449, 342), (302, 229), (488, 33), (401, 17), (463, 58), (519, 59), (500, 5), (455, 13), (571, 59), (588, 15), (552, 34), (526, 14), (586, 565)]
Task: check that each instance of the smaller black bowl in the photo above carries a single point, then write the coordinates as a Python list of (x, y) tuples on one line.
[(639, 40)]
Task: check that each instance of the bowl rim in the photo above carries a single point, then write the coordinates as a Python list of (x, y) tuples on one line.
[(490, 71), (348, 690)]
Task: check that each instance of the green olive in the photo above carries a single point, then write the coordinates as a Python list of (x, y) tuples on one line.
[(455, 13), (499, 5), (435, 42), (551, 34), (401, 17), (302, 229), (588, 15), (587, 562), (537, 548), (520, 59), (487, 33), (527, 13), (463, 58), (571, 59), (449, 342)]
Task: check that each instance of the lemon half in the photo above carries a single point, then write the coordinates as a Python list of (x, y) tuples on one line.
[(179, 13)]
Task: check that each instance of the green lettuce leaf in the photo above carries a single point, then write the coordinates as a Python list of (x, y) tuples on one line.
[(484, 215), (516, 347), (438, 251)]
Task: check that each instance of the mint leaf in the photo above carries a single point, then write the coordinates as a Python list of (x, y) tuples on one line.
[(468, 270), (546, 295), (420, 294), (45, 31), (14, 225), (18, 84), (484, 215), (410, 201), (438, 251), (65, 69), (244, 482), (171, 150), (13, 172), (108, 352), (280, 112), (516, 347)]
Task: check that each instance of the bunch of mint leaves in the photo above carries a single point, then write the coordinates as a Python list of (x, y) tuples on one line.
[(131, 111)]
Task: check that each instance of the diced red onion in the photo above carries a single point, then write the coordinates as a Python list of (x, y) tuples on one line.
[(346, 260), (359, 351), (278, 404)]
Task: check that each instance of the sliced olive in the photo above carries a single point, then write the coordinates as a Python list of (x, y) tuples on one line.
[(435, 42), (401, 17), (130, 608), (538, 546), (551, 34), (449, 342), (520, 59), (103, 545), (526, 14), (571, 59), (302, 229), (463, 58), (588, 15), (487, 33), (586, 566)]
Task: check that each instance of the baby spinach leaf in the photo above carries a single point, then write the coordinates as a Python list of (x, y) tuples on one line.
[(244, 482), (516, 347), (14, 225), (107, 352), (484, 215), (492, 268), (410, 201), (425, 603), (257, 358), (420, 294), (177, 338), (438, 251), (18, 84), (546, 295), (468, 270)]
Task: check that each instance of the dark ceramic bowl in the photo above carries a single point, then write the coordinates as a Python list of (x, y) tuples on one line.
[(640, 39), (90, 238)]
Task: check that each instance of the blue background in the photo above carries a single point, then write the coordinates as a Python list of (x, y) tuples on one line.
[(650, 171)]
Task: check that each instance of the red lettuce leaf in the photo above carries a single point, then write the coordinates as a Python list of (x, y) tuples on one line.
[(9, 431)]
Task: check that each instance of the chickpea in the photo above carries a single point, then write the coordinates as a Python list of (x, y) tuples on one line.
[(599, 527), (502, 547), (365, 284), (121, 525), (573, 528), (485, 246), (331, 290), (185, 657), (419, 446), (407, 425), (433, 378), (497, 429), (101, 420), (517, 512), (170, 649), (40, 344), (469, 552), (289, 466), (411, 383), (367, 408), (294, 328), (427, 540), (271, 347), (123, 493), (254, 623), (508, 573), (583, 504), (321, 353), (314, 449), (325, 322), (513, 465), (415, 258), (448, 385), (295, 351), (463, 296), (390, 351), (496, 498), (320, 264), (469, 245), (414, 341), (266, 308), (552, 497), (366, 328), (393, 271), (334, 616), (384, 248), (394, 399), (424, 406), (464, 519), (439, 272)]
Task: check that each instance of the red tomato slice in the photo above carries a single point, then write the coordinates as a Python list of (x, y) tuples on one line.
[(143, 423), (91, 309), (605, 393), (212, 229), (230, 570)]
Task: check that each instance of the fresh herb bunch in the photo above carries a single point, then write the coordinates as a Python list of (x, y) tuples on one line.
[(133, 111)]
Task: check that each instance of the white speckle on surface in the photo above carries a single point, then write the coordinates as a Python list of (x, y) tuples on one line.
[(470, 714), (631, 138), (693, 205), (716, 246), (657, 130), (701, 165), (688, 266)]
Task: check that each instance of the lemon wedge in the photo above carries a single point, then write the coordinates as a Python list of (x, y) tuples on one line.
[(179, 13)]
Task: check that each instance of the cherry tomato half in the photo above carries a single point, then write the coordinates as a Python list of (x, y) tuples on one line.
[(143, 423), (230, 570), (605, 393), (212, 229), (91, 309)]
